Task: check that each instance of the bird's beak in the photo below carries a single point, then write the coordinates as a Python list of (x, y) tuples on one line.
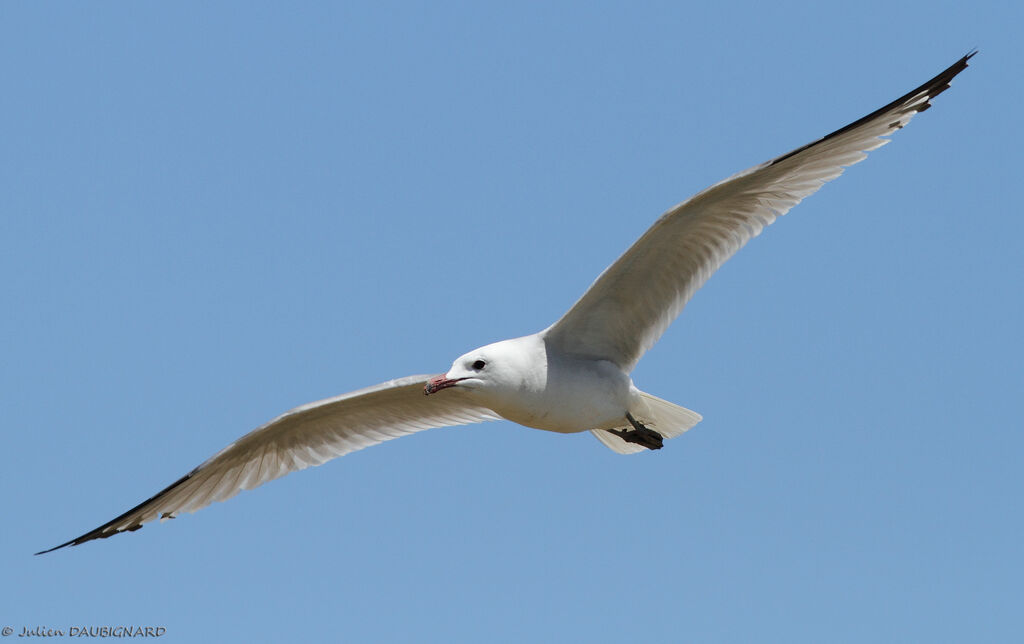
[(437, 383)]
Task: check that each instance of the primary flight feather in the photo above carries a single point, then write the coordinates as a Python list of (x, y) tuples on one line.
[(572, 376)]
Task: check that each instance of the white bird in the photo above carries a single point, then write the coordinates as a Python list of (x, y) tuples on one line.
[(572, 376)]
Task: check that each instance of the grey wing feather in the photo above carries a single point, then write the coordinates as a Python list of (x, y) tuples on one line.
[(634, 300), (303, 437)]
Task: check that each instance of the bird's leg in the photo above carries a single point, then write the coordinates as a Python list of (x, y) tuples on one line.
[(639, 434)]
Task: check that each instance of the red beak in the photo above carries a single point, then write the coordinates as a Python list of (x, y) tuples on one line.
[(437, 383)]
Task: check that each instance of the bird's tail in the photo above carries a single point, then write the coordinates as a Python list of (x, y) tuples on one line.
[(668, 419)]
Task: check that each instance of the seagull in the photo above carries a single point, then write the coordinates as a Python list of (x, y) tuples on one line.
[(574, 375)]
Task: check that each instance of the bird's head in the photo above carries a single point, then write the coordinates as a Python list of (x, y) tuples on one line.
[(491, 370)]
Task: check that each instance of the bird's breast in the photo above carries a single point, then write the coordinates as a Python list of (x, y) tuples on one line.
[(576, 395)]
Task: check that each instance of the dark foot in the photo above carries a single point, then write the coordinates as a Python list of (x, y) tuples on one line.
[(639, 434)]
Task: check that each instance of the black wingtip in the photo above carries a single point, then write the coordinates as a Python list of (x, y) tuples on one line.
[(63, 545), (74, 542), (930, 88)]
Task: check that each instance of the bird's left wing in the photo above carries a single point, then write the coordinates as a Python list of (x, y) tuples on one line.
[(632, 303), (305, 436)]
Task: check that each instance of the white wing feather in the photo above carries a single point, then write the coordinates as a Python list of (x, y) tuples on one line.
[(634, 300), (305, 436)]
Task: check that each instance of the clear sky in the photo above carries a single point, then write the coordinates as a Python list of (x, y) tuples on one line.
[(211, 214)]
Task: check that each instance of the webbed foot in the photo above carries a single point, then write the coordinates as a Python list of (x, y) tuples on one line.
[(639, 434)]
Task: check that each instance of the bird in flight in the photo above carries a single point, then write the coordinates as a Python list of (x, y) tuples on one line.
[(574, 375)]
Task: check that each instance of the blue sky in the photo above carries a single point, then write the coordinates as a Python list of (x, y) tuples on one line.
[(213, 214)]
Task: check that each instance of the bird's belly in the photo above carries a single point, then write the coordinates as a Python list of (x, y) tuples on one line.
[(590, 399)]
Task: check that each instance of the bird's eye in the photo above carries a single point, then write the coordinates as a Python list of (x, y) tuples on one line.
[(479, 364)]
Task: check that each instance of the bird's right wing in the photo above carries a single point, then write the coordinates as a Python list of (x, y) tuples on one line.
[(305, 436), (632, 303)]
